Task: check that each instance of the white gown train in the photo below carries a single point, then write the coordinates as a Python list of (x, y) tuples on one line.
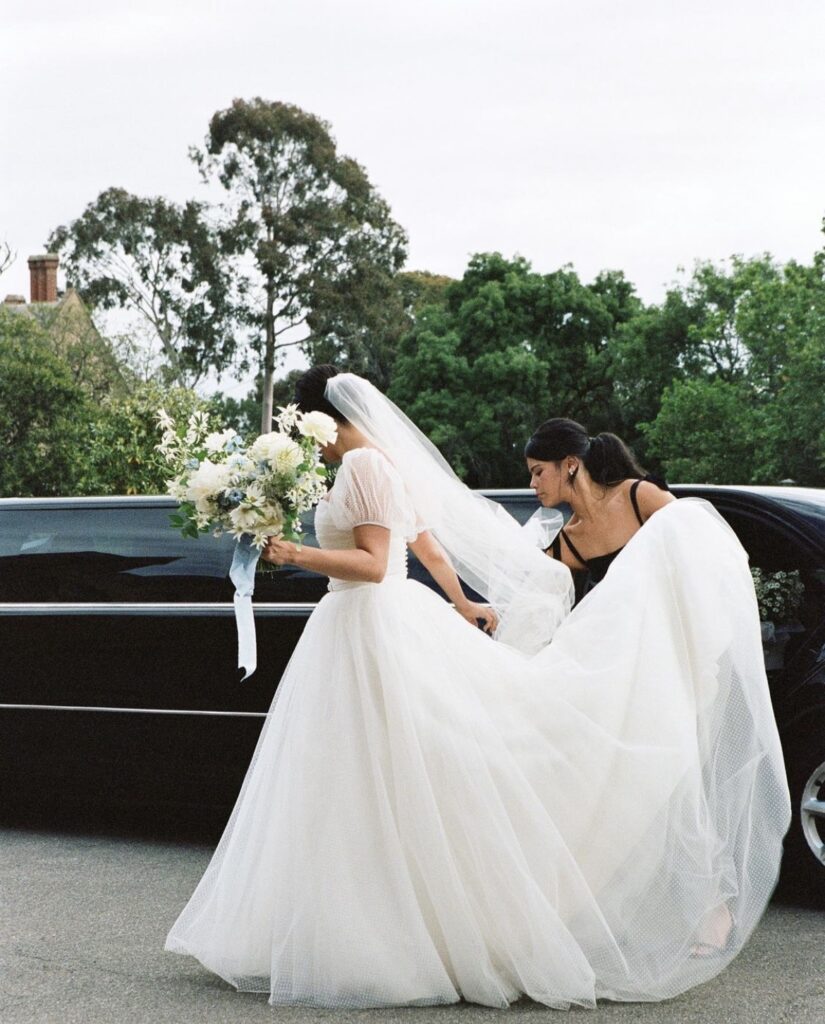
[(431, 815)]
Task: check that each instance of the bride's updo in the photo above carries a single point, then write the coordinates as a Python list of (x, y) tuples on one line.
[(309, 391), (606, 457)]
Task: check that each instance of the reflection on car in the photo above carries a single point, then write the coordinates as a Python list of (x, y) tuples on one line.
[(120, 698)]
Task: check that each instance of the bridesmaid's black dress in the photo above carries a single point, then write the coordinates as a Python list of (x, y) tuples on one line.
[(598, 565)]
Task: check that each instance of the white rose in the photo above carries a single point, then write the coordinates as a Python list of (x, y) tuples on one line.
[(277, 449), (217, 441), (319, 427), (207, 481)]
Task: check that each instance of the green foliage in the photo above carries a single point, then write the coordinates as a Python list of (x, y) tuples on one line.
[(745, 400), (42, 412), (309, 234), (778, 594), (504, 350), (163, 262), (120, 453), (709, 432)]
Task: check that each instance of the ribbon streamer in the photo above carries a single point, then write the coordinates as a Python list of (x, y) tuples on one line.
[(242, 574)]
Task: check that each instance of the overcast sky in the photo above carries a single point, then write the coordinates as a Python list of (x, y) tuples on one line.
[(638, 135)]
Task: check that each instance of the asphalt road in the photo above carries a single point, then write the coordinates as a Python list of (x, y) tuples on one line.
[(83, 919)]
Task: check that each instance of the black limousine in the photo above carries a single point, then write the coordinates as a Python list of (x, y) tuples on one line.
[(120, 700)]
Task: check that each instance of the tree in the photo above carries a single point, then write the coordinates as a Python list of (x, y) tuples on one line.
[(361, 325), (164, 263), (650, 350), (760, 328), (504, 350), (357, 323), (782, 322), (42, 412), (710, 431), (421, 289), (119, 449), (301, 221)]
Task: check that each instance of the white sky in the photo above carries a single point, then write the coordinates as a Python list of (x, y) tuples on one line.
[(638, 135)]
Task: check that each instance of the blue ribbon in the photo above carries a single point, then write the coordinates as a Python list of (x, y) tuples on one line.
[(242, 574)]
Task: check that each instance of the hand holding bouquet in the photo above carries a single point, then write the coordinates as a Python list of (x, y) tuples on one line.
[(252, 492)]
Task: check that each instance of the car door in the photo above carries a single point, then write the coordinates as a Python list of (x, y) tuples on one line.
[(118, 647)]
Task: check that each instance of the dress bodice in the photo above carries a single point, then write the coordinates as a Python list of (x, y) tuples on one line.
[(342, 539), (367, 490)]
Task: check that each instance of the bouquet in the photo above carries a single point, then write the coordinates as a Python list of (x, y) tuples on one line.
[(260, 490), (252, 492)]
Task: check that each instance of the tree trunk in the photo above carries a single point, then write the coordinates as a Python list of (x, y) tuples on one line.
[(269, 362)]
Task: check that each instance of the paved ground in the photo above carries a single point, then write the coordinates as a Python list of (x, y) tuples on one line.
[(83, 919)]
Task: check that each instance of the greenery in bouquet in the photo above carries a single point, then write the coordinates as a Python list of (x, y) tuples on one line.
[(779, 594), (260, 489)]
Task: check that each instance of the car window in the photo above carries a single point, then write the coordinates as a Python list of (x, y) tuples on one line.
[(82, 553), (773, 548)]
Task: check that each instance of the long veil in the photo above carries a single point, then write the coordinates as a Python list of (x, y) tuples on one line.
[(531, 593)]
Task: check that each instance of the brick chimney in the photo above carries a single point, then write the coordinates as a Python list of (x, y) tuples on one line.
[(43, 271)]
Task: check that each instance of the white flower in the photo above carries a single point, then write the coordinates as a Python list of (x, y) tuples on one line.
[(279, 450), (176, 489), (217, 441), (288, 416), (245, 518), (198, 423), (319, 427), (273, 517), (165, 420), (208, 480)]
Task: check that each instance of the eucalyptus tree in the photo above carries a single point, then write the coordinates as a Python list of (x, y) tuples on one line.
[(161, 261), (305, 229)]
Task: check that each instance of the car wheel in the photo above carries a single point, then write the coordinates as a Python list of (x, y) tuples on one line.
[(803, 873), (812, 813)]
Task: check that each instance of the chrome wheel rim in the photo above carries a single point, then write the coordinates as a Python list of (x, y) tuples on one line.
[(812, 813)]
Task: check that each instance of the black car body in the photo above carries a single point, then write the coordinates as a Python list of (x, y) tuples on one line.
[(119, 693)]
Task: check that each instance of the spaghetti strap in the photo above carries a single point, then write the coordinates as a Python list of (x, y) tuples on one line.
[(555, 547), (572, 547), (635, 501)]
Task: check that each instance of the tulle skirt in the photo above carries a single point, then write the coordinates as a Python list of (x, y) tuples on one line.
[(433, 816)]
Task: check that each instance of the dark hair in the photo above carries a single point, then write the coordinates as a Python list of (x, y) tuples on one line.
[(605, 457), (309, 391)]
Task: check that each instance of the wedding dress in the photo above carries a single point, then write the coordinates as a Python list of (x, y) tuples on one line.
[(434, 815)]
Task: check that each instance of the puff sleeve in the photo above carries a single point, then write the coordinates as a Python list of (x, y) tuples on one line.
[(368, 490)]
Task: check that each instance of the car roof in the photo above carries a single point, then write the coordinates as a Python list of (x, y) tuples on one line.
[(790, 492)]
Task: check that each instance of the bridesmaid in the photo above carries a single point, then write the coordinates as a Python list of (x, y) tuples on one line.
[(612, 498), (610, 494)]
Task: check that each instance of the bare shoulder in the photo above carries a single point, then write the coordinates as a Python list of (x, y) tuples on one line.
[(651, 498)]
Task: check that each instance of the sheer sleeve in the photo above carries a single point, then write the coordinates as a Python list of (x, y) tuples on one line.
[(368, 490)]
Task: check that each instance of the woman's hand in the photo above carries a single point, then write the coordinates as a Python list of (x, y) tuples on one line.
[(472, 612), (280, 552)]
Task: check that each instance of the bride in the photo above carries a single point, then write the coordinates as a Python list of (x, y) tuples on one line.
[(432, 814)]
